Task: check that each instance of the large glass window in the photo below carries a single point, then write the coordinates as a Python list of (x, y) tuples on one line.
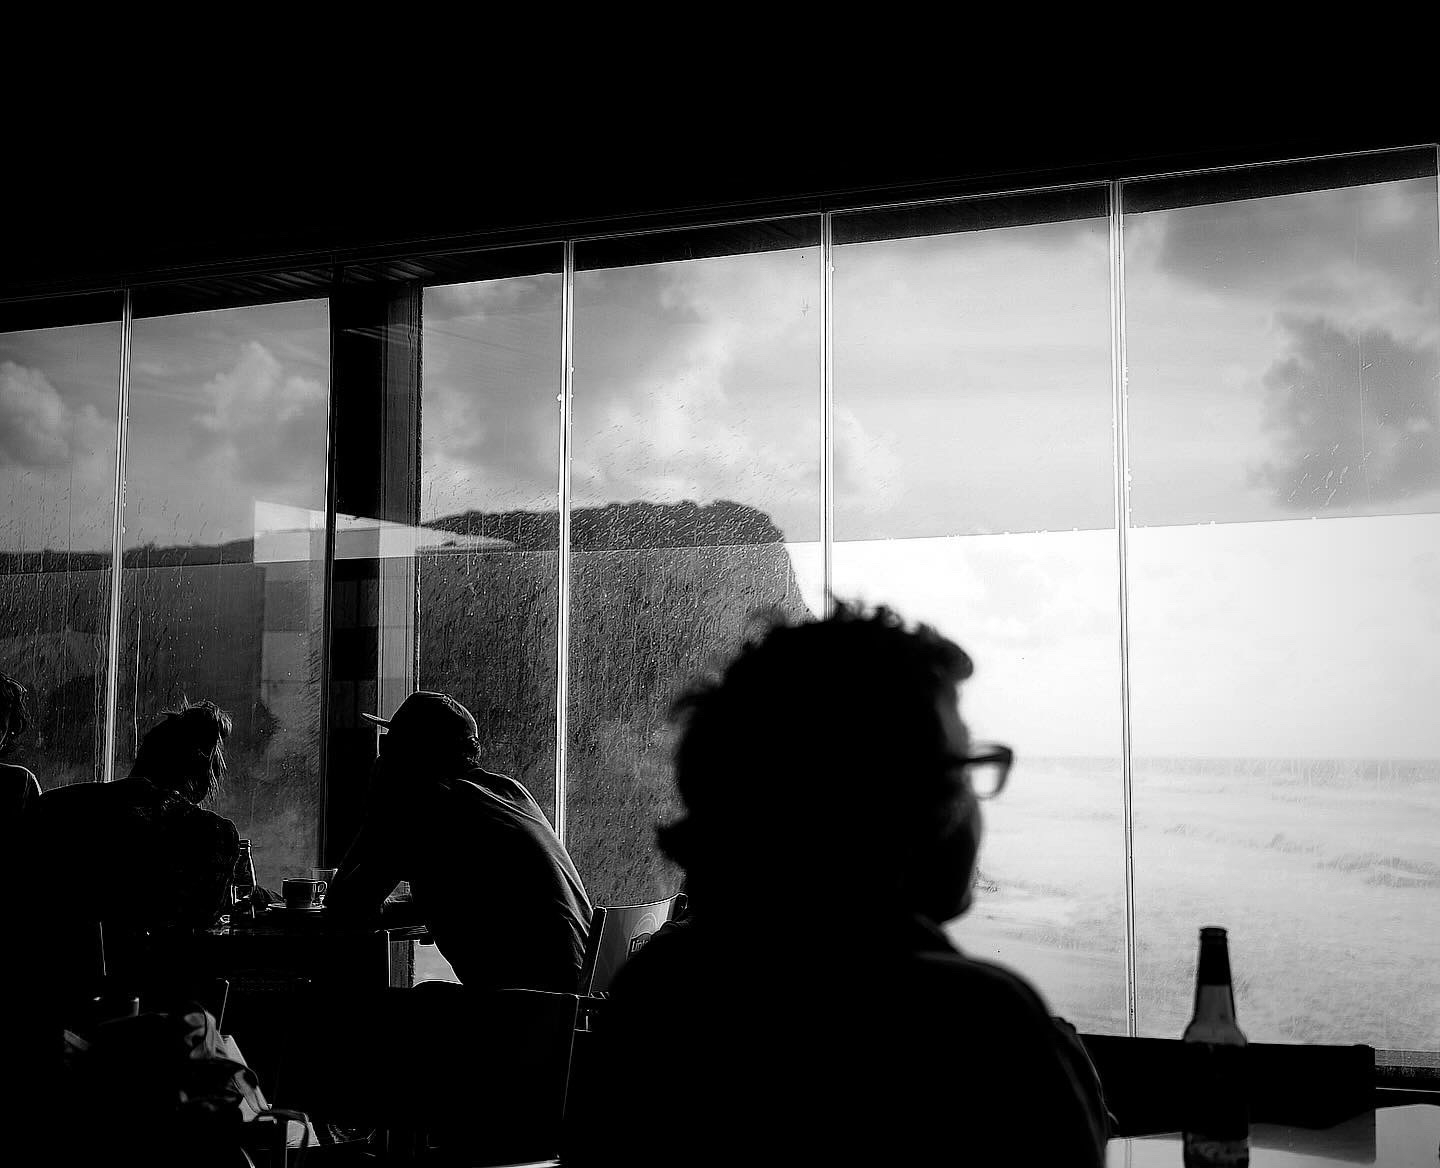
[(223, 582), (942, 406), (58, 393), (695, 491), (1283, 345), (974, 490)]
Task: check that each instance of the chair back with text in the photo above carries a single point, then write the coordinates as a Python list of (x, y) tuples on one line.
[(616, 933)]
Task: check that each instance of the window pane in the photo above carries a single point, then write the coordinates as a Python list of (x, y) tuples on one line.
[(1285, 654), (696, 493), (58, 394), (489, 554), (223, 589), (974, 490)]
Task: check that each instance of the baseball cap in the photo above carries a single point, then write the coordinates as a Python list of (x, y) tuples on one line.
[(426, 714)]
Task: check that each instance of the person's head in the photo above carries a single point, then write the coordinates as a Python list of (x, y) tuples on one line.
[(14, 711), (428, 730), (184, 751), (829, 755)]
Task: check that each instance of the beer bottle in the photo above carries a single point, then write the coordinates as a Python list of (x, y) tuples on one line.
[(1217, 1132), (242, 887)]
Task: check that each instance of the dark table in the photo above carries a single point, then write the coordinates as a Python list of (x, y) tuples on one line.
[(1406, 1136), (314, 947), (284, 966)]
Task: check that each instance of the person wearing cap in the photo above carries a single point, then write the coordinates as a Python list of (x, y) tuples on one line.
[(488, 874)]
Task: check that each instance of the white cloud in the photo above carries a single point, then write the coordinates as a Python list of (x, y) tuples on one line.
[(256, 395), (699, 381), (869, 473), (35, 423), (1213, 297), (57, 465), (240, 416), (265, 426)]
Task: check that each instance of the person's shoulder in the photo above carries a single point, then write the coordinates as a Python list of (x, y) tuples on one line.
[(21, 780), (74, 797), (482, 786), (219, 826), (203, 820), (492, 782), (12, 768)]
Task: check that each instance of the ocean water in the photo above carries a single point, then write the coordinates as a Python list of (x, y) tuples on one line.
[(1325, 872)]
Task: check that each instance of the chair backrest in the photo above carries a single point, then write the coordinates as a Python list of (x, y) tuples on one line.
[(616, 932)]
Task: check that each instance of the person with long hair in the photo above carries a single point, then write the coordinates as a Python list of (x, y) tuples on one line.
[(140, 854)]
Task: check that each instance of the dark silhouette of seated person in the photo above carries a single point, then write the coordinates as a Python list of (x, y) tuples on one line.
[(139, 854), (487, 873), (811, 1010)]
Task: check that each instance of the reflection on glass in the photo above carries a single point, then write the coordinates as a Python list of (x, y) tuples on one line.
[(695, 472), (58, 393), (974, 490), (222, 590), (1285, 656), (489, 558)]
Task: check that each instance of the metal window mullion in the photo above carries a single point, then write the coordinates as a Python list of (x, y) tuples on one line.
[(117, 535), (827, 412), (562, 647), (327, 582), (1119, 389)]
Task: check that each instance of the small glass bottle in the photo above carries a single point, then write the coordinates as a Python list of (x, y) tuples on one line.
[(242, 887), (1217, 1133)]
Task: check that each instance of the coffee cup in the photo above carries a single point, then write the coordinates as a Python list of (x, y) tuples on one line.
[(302, 894)]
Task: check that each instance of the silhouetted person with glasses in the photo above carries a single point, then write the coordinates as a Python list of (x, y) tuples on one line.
[(812, 1010), (487, 873)]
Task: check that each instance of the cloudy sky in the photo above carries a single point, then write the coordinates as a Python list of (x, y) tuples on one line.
[(1283, 356)]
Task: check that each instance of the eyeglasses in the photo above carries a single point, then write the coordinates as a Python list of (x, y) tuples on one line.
[(987, 767)]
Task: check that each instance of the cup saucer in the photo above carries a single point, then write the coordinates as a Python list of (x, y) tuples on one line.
[(285, 908)]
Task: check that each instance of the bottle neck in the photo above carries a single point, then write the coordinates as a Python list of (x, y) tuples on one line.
[(1214, 965), (1214, 1019), (1214, 1005)]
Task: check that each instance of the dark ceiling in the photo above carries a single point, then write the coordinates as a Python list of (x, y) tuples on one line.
[(88, 209)]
